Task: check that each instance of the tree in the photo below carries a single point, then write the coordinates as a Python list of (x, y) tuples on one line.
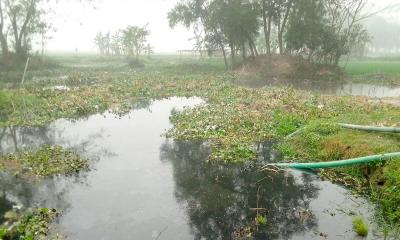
[(129, 41), (305, 33), (116, 43), (281, 11), (204, 13), (325, 30), (24, 17), (227, 22), (267, 15), (43, 30), (100, 42), (134, 39), (3, 35)]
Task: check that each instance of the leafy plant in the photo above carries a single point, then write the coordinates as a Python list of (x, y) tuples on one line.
[(262, 220), (360, 227)]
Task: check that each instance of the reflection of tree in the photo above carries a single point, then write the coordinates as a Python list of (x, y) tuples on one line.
[(44, 192), (219, 197), (5, 206)]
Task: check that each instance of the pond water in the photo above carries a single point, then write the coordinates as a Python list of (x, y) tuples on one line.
[(143, 186), (329, 87)]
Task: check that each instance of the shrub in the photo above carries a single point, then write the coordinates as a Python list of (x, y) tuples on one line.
[(135, 63)]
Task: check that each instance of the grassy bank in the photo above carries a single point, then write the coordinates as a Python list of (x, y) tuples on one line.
[(233, 119)]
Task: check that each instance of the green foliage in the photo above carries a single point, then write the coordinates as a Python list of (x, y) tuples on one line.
[(47, 161), (360, 227), (30, 226), (261, 220), (135, 63), (388, 195), (131, 41), (316, 30), (286, 124)]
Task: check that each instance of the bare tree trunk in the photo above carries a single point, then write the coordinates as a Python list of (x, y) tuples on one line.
[(282, 27), (254, 46), (251, 51), (280, 40), (243, 50), (224, 53), (268, 37), (267, 26), (233, 53), (3, 38)]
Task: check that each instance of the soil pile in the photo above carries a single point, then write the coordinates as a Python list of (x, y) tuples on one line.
[(287, 67)]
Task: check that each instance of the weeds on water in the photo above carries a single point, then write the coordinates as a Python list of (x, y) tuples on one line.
[(28, 226), (360, 227), (47, 161)]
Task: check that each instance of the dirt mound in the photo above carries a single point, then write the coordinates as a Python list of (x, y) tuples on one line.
[(287, 67)]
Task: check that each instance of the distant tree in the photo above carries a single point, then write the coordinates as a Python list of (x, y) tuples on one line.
[(43, 31), (149, 50), (134, 39), (129, 41), (116, 43), (100, 43)]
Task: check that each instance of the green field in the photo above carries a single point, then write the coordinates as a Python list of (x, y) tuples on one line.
[(380, 70)]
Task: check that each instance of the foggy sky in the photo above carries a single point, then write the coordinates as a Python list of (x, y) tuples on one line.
[(76, 24)]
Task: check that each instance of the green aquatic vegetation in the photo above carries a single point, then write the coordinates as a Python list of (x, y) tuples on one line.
[(385, 183), (28, 226), (360, 227), (233, 119), (262, 220), (47, 161)]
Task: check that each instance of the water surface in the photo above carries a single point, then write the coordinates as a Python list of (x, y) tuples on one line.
[(329, 87), (143, 186)]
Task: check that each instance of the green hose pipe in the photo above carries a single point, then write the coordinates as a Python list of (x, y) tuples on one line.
[(370, 128), (342, 163)]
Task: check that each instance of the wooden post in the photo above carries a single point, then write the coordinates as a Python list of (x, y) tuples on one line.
[(26, 68)]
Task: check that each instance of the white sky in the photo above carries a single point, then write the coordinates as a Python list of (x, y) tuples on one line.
[(76, 24)]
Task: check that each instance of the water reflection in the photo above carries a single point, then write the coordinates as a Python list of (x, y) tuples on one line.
[(328, 87), (220, 198), (130, 194)]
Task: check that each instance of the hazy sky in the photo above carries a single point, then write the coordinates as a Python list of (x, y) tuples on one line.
[(77, 24)]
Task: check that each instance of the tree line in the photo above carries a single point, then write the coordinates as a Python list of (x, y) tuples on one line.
[(131, 41), (320, 30)]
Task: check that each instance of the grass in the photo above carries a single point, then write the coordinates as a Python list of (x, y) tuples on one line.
[(360, 227), (373, 66), (375, 71)]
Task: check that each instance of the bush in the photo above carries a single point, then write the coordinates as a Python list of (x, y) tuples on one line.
[(135, 63)]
